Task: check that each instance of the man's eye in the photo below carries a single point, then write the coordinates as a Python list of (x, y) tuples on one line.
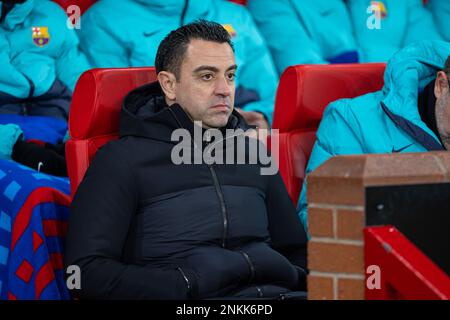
[(207, 77), (230, 76)]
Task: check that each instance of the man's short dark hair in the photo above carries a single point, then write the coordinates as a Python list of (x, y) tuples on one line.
[(172, 49)]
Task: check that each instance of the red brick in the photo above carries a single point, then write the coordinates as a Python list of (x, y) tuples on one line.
[(338, 181), (402, 168), (320, 222), (350, 224), (320, 288), (350, 289), (443, 158), (332, 257)]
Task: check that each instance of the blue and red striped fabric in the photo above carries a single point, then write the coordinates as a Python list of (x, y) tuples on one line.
[(34, 209)]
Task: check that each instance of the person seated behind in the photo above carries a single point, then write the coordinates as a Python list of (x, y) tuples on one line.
[(142, 227), (127, 34), (383, 27), (410, 114), (40, 63), (39, 59), (305, 32), (441, 14)]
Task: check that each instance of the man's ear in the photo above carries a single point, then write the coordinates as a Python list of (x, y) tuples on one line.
[(167, 81), (441, 85)]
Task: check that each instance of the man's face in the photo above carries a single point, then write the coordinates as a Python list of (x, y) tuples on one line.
[(205, 88), (442, 93)]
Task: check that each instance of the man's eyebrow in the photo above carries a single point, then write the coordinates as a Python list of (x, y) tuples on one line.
[(213, 69)]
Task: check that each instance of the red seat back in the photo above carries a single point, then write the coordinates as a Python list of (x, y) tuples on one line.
[(305, 90), (303, 93), (242, 2), (295, 148), (83, 4), (94, 113)]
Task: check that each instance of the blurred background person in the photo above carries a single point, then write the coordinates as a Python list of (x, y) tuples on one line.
[(441, 15), (305, 31), (40, 63), (401, 22)]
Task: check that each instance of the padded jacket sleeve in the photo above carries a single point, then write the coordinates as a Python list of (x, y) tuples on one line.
[(100, 216), (286, 231)]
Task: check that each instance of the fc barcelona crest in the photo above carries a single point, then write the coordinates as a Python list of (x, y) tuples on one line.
[(40, 36)]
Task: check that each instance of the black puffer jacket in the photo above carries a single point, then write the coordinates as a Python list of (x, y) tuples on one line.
[(142, 227)]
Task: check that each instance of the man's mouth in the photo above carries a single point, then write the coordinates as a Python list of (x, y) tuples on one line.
[(221, 107)]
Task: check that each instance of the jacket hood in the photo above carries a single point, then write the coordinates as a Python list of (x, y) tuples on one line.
[(146, 114), (408, 72)]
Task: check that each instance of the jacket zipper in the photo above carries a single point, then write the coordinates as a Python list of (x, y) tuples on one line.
[(250, 264), (217, 187), (223, 209), (222, 204), (186, 279)]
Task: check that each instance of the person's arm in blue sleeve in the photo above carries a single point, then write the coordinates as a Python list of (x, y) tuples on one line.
[(285, 34), (12, 81), (421, 25), (103, 47), (257, 71), (337, 135)]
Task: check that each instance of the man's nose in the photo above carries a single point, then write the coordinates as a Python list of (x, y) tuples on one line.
[(223, 87)]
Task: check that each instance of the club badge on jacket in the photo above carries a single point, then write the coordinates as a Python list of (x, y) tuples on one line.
[(40, 36)]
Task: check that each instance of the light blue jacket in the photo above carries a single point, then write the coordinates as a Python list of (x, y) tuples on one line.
[(401, 23), (383, 121), (128, 32), (305, 31), (32, 59), (441, 14)]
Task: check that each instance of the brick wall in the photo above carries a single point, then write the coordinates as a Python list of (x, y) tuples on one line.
[(336, 214)]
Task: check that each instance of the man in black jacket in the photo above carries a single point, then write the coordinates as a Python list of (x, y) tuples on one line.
[(143, 227)]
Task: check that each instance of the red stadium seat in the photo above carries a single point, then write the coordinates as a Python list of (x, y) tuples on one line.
[(243, 2), (303, 93), (94, 113), (83, 4)]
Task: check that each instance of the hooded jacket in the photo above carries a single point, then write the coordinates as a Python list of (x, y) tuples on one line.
[(386, 121), (127, 33), (142, 227), (39, 60), (303, 32), (401, 23)]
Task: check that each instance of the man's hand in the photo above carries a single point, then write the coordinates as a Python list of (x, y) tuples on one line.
[(254, 118)]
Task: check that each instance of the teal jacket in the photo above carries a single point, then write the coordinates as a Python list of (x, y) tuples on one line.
[(128, 32), (305, 31), (36, 49), (402, 22), (441, 14), (383, 121)]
